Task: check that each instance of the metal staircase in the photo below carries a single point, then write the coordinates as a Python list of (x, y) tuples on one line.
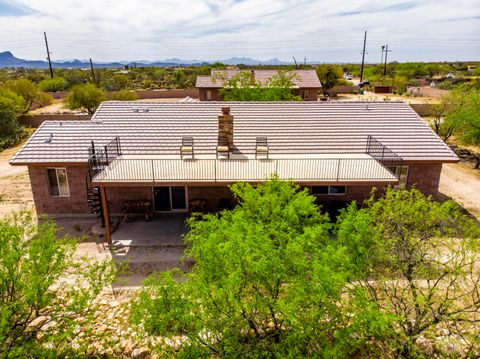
[(97, 162)]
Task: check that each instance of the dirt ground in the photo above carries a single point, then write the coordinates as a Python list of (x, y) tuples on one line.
[(15, 190), (370, 96), (462, 183)]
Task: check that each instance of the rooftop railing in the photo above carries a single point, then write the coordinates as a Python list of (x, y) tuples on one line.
[(232, 170)]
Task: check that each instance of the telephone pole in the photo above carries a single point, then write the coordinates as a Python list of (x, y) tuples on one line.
[(93, 72), (383, 48), (363, 56), (295, 60), (385, 66), (48, 55)]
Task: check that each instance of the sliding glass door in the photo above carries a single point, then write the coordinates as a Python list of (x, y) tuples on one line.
[(170, 199)]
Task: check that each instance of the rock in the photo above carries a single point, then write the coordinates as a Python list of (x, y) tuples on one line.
[(114, 303), (140, 353), (39, 321), (426, 345)]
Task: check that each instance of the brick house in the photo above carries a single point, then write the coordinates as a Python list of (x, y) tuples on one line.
[(173, 156), (306, 82)]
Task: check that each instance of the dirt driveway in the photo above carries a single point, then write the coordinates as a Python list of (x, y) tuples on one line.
[(462, 184), (15, 191)]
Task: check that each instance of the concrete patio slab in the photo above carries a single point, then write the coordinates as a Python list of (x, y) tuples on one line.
[(161, 230)]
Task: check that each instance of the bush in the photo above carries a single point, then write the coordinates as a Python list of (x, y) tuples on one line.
[(44, 289), (86, 97), (54, 85), (125, 95)]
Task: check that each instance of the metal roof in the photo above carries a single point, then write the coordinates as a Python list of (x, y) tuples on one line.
[(157, 128), (301, 78)]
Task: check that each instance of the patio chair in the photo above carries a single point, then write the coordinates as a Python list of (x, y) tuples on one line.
[(223, 147), (261, 148), (186, 150)]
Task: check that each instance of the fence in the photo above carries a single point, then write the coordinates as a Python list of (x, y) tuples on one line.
[(99, 159)]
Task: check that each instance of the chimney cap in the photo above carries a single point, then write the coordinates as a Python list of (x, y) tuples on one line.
[(226, 110)]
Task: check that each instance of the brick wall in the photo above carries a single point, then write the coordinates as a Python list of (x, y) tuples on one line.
[(44, 203), (425, 177), (118, 195), (211, 194)]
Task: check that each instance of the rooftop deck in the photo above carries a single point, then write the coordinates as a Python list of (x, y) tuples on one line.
[(310, 168)]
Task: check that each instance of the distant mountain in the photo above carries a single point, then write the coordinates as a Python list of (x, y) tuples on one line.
[(7, 59)]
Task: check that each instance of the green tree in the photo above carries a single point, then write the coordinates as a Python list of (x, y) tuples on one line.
[(124, 95), (29, 91), (418, 260), (43, 288), (329, 76), (55, 84), (86, 97), (267, 282), (244, 87), (12, 106)]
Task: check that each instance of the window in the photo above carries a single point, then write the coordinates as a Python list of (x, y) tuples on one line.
[(305, 94), (329, 190), (58, 182), (208, 95), (402, 173)]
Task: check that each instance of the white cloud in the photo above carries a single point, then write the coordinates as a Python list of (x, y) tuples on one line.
[(213, 29)]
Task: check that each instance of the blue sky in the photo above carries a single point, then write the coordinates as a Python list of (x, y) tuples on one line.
[(320, 30)]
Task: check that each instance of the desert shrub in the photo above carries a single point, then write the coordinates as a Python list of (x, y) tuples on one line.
[(86, 97), (56, 84)]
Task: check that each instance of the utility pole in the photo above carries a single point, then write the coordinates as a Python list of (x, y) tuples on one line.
[(383, 48), (93, 72), (363, 56), (385, 66), (48, 55), (305, 61), (295, 60)]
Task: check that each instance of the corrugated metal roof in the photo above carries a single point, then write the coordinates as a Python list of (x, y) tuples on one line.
[(291, 128), (301, 78), (345, 168)]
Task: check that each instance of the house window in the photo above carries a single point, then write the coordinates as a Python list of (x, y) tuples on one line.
[(305, 94), (208, 95), (402, 173), (58, 182), (329, 190)]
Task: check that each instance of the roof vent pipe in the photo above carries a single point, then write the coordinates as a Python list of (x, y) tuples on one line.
[(49, 138)]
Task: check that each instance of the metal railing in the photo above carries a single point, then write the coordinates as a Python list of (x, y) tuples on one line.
[(231, 170), (383, 154), (99, 159)]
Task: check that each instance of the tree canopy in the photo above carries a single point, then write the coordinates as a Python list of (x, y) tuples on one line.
[(329, 75), (86, 97), (244, 87), (43, 288)]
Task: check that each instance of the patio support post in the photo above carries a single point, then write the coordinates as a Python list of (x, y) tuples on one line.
[(106, 215)]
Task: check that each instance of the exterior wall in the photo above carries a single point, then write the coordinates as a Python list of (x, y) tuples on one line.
[(76, 203), (211, 195), (312, 95), (425, 177), (118, 195), (202, 94), (354, 193)]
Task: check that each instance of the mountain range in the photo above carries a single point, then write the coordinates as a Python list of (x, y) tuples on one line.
[(7, 59)]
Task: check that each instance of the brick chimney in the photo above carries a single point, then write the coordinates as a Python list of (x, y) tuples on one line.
[(225, 126), (252, 77)]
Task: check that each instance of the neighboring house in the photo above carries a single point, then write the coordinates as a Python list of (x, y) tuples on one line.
[(171, 155), (306, 82)]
